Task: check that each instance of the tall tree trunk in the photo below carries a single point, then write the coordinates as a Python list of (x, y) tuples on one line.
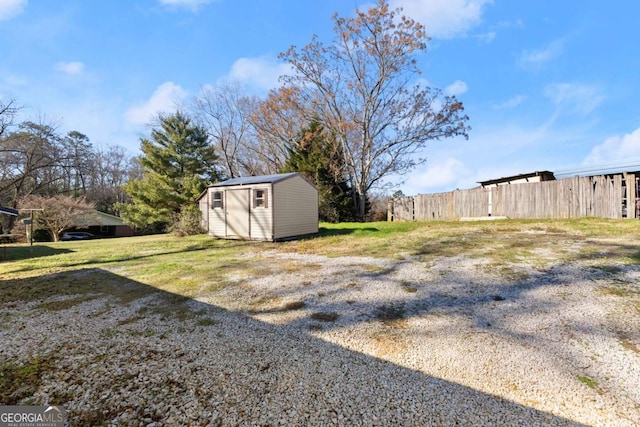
[(362, 206)]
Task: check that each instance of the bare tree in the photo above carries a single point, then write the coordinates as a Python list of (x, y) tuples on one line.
[(29, 160), (76, 156), (60, 212), (278, 122), (35, 159), (362, 87), (224, 111), (109, 169), (8, 112)]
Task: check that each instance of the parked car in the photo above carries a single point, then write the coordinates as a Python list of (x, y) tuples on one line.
[(77, 235)]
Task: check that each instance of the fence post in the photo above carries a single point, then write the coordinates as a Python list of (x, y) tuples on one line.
[(630, 181)]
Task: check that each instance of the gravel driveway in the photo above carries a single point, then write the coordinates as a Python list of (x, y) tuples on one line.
[(349, 341)]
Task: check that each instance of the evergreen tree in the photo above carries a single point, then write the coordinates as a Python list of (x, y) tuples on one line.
[(177, 164), (317, 157)]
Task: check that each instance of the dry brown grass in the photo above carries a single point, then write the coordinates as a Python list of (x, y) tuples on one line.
[(389, 343), (625, 341), (294, 305), (392, 315), (325, 316)]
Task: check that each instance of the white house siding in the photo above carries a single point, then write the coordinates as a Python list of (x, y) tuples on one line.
[(296, 208)]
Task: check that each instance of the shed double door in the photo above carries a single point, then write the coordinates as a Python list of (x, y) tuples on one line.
[(237, 213)]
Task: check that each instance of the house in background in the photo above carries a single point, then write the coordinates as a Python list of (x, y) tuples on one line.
[(267, 207), (6, 211), (101, 224)]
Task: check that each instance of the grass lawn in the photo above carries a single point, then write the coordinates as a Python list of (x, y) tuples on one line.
[(192, 265)]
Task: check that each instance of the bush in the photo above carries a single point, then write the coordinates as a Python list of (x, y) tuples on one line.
[(188, 222)]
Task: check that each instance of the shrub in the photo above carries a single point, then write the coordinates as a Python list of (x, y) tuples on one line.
[(187, 222)]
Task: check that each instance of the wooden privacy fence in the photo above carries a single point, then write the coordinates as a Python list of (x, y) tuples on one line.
[(606, 196)]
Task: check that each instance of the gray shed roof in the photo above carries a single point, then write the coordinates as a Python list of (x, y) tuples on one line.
[(260, 179), (8, 211)]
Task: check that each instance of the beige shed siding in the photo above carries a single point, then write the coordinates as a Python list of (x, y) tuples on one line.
[(288, 207), (203, 205), (296, 208), (261, 219), (217, 225)]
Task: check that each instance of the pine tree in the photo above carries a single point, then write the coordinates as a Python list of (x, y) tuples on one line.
[(178, 162), (316, 156)]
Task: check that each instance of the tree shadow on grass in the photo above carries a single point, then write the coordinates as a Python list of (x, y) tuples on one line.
[(135, 353), (20, 252), (47, 251), (342, 231)]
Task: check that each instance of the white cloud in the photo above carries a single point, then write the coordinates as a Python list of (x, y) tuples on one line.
[(539, 57), (164, 98), (11, 8), (73, 68), (261, 73), (511, 24), (456, 88), (617, 149), (15, 80), (510, 103), (437, 176), (186, 4), (486, 37), (444, 19), (574, 98)]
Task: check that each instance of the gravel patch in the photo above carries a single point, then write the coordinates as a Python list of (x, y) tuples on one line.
[(349, 341)]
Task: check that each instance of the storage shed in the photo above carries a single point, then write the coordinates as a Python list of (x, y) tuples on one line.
[(267, 207)]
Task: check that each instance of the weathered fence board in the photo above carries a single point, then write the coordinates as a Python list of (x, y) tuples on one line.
[(598, 196)]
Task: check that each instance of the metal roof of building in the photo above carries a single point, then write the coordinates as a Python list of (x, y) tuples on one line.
[(545, 175), (260, 179), (8, 211)]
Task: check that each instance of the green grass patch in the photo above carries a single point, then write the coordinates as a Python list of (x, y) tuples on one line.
[(65, 304), (64, 274), (19, 381), (619, 289), (207, 321), (588, 381)]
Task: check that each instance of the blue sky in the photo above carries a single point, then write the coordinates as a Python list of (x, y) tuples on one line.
[(548, 85)]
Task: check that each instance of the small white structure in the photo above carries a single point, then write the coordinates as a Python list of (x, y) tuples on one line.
[(267, 207)]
